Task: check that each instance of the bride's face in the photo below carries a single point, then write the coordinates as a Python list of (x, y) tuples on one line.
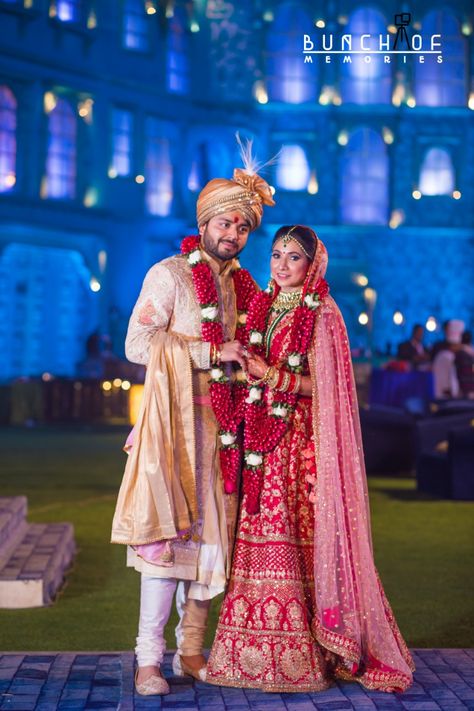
[(288, 265)]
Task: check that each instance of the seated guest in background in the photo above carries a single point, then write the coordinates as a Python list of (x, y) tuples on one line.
[(413, 350), (443, 343), (444, 368), (464, 363)]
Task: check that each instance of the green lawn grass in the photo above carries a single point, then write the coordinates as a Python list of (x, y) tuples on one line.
[(423, 549)]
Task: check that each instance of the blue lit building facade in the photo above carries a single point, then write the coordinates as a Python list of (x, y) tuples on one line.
[(114, 113)]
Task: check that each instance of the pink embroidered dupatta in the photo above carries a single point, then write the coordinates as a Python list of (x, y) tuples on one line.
[(353, 617)]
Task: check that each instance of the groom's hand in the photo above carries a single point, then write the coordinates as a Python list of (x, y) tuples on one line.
[(233, 351)]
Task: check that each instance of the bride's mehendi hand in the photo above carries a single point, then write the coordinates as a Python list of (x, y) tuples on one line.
[(256, 366)]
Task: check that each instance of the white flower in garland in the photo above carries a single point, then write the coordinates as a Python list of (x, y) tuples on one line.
[(294, 360), (242, 318), (256, 338), (312, 301), (209, 313), (255, 394), (227, 438), (194, 257), (279, 410), (253, 459), (217, 374)]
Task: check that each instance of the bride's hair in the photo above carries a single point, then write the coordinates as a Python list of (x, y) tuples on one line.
[(305, 237)]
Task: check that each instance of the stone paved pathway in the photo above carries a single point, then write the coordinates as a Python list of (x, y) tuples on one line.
[(43, 682)]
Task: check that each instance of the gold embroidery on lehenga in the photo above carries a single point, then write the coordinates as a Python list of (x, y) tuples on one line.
[(272, 614), (240, 612), (253, 661), (295, 663)]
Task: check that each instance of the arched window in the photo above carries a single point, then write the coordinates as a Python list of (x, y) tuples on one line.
[(437, 173), (442, 84), (293, 170), (158, 170), (177, 57), (135, 26), (7, 139), (289, 79), (61, 158), (363, 81), (364, 179)]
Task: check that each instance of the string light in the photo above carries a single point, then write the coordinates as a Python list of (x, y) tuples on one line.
[(396, 219), (9, 180), (457, 194), (139, 179), (431, 324), (49, 102), (398, 318), (90, 198), (363, 318), (360, 279), (387, 135), (94, 284), (92, 20), (84, 109), (320, 23), (343, 138), (106, 385), (416, 194), (313, 186), (398, 95), (260, 92), (102, 260)]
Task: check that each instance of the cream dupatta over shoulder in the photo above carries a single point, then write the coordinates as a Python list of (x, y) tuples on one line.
[(157, 498)]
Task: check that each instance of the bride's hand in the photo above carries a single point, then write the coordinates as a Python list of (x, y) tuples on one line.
[(256, 366)]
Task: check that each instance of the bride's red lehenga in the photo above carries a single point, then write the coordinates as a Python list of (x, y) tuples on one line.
[(271, 634)]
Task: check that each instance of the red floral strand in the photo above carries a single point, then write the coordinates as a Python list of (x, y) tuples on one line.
[(266, 424), (227, 398)]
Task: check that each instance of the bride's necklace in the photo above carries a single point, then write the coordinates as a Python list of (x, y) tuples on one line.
[(287, 300)]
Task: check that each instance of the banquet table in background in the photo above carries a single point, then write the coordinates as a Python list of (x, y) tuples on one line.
[(395, 389)]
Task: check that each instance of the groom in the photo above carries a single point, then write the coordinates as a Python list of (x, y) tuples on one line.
[(172, 509)]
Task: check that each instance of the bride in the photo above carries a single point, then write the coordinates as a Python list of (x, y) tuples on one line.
[(304, 604)]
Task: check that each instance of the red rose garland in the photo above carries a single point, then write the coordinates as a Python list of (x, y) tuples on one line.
[(264, 429), (227, 399)]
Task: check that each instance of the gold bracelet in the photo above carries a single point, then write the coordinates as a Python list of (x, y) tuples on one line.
[(273, 378), (215, 354), (270, 374), (260, 380)]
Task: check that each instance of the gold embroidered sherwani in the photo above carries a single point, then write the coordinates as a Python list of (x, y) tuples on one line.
[(167, 305)]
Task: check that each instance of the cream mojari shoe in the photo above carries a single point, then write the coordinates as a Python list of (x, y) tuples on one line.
[(180, 668), (152, 686)]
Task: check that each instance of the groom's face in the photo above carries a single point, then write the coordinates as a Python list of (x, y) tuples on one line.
[(225, 236)]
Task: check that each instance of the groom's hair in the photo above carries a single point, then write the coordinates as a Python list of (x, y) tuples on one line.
[(305, 236)]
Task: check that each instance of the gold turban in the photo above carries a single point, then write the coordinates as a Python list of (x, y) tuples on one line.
[(246, 192)]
